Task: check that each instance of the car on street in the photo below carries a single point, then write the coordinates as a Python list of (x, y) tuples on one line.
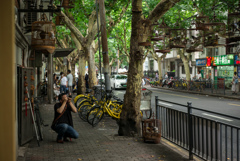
[(118, 81)]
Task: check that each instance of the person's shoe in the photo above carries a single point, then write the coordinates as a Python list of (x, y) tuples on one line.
[(60, 141), (66, 139)]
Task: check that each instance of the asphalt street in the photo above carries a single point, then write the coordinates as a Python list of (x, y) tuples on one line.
[(225, 106)]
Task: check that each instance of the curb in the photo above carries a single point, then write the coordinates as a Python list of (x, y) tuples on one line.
[(209, 94)]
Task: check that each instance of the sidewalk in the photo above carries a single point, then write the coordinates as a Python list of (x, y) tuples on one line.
[(228, 93), (95, 144)]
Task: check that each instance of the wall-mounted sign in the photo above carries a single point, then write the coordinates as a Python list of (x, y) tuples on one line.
[(236, 60), (209, 61), (201, 62), (223, 60), (230, 57)]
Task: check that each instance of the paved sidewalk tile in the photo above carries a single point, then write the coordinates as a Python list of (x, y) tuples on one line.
[(95, 144)]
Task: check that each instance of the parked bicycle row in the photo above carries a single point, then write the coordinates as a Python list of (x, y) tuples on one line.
[(192, 85), (92, 109)]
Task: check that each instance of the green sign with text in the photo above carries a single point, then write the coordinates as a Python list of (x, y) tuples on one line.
[(223, 60)]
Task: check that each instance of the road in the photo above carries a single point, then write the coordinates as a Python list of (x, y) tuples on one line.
[(229, 107)]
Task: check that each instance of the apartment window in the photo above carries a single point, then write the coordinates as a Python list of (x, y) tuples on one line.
[(172, 65), (151, 64)]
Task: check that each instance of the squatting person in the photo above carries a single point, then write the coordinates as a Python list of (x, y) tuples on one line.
[(63, 123)]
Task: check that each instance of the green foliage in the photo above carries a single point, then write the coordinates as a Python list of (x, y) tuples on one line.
[(181, 15)]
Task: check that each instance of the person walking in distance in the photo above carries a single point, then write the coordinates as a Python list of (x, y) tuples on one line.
[(235, 86), (165, 80), (86, 79), (156, 76), (63, 83), (70, 82), (63, 123)]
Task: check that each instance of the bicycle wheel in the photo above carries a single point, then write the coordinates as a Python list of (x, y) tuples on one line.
[(84, 102), (79, 100), (39, 127), (83, 112), (97, 117), (92, 113)]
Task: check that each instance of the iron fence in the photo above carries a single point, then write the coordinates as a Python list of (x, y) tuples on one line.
[(204, 137)]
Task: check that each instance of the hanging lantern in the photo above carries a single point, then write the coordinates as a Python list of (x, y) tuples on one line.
[(178, 38), (163, 29), (163, 46), (155, 33), (194, 41), (59, 21), (67, 4), (200, 23), (214, 36), (43, 36), (234, 26)]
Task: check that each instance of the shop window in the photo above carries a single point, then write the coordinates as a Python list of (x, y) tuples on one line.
[(183, 70)]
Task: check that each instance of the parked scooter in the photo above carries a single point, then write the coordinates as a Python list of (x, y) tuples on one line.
[(165, 82), (170, 83)]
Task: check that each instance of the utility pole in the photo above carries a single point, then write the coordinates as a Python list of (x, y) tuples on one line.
[(117, 60), (50, 78), (104, 45)]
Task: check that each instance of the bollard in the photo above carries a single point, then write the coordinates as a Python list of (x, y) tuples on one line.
[(156, 105), (212, 86), (190, 130), (224, 86)]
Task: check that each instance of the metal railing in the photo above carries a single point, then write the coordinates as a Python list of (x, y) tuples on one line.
[(150, 73), (204, 137)]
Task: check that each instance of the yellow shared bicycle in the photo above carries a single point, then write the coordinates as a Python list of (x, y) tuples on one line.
[(113, 109)]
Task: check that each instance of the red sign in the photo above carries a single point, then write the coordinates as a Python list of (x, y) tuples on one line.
[(209, 60)]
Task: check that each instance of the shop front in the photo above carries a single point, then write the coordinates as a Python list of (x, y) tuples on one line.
[(237, 65), (202, 67), (223, 66)]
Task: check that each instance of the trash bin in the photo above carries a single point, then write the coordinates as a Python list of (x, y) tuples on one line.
[(151, 130)]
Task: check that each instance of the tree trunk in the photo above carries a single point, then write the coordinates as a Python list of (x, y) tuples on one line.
[(73, 70), (91, 67), (185, 64), (130, 116), (104, 45), (81, 75), (69, 65), (187, 71)]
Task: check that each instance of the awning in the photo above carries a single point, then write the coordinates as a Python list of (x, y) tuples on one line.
[(62, 52)]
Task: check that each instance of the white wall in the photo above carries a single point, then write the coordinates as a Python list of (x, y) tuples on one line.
[(146, 64), (155, 67)]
